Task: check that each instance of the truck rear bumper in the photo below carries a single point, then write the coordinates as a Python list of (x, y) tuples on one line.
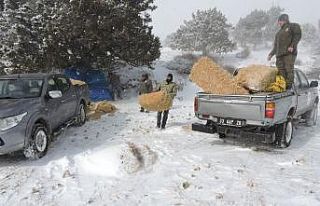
[(266, 137), (204, 128)]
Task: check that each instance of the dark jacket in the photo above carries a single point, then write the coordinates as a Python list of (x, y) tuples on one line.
[(145, 87), (288, 36)]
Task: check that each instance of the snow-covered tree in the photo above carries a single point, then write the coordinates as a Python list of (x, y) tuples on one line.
[(1, 5), (206, 32), (61, 33), (250, 29), (18, 41), (271, 27), (310, 34)]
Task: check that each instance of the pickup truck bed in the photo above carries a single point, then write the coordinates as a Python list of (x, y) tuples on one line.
[(251, 108), (267, 115)]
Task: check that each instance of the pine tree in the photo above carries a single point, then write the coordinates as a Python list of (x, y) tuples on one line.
[(61, 33), (18, 42), (310, 34), (271, 27), (250, 29), (206, 32)]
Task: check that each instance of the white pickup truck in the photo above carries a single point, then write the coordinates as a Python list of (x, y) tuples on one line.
[(268, 116)]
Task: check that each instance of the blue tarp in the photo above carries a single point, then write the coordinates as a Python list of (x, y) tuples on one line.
[(96, 80)]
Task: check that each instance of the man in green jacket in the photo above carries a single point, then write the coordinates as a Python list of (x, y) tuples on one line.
[(171, 89), (145, 87), (286, 48)]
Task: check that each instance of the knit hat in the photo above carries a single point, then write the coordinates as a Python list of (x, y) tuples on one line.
[(284, 17)]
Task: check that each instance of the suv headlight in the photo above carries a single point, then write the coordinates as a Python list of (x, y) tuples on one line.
[(10, 122)]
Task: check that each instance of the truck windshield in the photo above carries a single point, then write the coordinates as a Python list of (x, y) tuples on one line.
[(20, 88)]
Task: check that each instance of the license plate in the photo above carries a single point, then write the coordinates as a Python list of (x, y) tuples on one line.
[(231, 122)]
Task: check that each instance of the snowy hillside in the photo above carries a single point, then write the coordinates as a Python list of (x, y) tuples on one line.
[(123, 159)]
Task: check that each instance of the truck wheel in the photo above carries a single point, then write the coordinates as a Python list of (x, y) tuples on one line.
[(284, 134), (81, 116), (38, 143), (312, 116)]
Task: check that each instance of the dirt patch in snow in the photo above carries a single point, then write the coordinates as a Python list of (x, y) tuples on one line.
[(135, 158)]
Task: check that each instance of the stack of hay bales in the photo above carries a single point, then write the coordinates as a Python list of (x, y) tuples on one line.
[(213, 79), (256, 78), (96, 110), (156, 101)]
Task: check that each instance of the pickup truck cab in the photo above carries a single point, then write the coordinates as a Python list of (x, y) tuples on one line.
[(268, 116), (33, 107)]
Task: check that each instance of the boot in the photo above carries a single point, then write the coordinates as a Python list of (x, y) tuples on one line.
[(159, 119)]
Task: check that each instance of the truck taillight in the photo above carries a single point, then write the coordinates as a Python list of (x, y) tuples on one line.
[(196, 104), (270, 110)]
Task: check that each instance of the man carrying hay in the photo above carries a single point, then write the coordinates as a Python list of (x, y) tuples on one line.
[(145, 87), (170, 88), (286, 48)]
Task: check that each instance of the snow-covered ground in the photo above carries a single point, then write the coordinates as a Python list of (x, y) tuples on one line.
[(123, 159)]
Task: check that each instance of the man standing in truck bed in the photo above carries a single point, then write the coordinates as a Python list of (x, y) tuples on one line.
[(286, 48)]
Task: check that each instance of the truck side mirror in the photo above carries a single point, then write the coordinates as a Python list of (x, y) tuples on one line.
[(55, 94), (314, 84)]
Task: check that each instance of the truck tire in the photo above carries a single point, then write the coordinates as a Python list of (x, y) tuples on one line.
[(312, 116), (284, 133), (81, 115), (38, 144)]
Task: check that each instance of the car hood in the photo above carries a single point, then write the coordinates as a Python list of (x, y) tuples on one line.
[(12, 107)]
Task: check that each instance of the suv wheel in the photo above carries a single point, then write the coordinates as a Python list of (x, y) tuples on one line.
[(82, 115), (38, 143), (222, 136)]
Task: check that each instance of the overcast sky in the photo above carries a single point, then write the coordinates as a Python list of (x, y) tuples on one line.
[(171, 13)]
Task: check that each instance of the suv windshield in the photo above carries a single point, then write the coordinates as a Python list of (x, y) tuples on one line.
[(20, 88)]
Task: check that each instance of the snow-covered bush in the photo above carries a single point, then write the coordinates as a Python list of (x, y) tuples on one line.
[(245, 53), (183, 63)]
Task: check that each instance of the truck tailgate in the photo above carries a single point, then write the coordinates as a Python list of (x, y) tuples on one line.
[(237, 107)]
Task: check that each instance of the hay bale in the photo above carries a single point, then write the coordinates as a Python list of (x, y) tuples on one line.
[(105, 107), (96, 110), (212, 78), (77, 82), (155, 101), (257, 77), (92, 107), (94, 115)]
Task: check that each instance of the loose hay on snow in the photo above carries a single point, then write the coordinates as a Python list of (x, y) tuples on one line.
[(156, 101)]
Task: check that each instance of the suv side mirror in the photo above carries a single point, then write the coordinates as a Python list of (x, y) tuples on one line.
[(314, 84), (55, 94)]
